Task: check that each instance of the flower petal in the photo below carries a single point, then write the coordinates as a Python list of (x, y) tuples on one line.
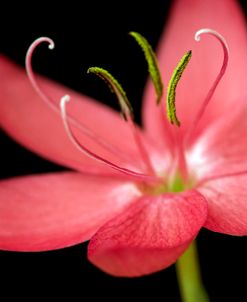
[(51, 211), (32, 123), (187, 17), (222, 150), (149, 235), (227, 204)]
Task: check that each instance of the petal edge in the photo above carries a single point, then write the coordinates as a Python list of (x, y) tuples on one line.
[(51, 211), (149, 235)]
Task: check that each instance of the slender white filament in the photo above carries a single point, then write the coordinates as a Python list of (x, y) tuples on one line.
[(81, 148), (221, 73)]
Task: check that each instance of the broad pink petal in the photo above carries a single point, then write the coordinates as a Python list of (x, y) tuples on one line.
[(222, 149), (32, 123), (46, 212), (149, 235), (187, 17), (227, 206)]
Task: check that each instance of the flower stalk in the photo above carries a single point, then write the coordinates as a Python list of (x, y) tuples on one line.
[(189, 277)]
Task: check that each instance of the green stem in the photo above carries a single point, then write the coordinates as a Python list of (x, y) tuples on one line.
[(189, 277)]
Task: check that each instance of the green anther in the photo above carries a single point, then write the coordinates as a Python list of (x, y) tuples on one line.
[(152, 64), (116, 88), (171, 90)]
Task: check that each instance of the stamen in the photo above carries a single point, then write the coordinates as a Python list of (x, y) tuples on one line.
[(152, 64), (48, 101), (127, 112), (87, 152), (181, 157), (172, 116), (115, 87), (210, 94), (171, 90)]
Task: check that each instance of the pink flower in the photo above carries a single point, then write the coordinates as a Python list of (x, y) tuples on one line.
[(135, 226)]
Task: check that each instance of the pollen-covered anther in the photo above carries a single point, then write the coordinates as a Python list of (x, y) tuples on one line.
[(69, 121), (127, 113), (53, 103), (172, 86), (115, 87), (153, 68)]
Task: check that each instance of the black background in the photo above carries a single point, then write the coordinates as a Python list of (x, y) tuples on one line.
[(95, 34)]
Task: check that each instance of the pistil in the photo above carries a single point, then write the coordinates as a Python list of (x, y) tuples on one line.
[(211, 91)]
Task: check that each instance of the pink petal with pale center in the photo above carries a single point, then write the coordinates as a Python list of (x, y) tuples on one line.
[(187, 17), (149, 235), (46, 212), (227, 206), (33, 124), (222, 150)]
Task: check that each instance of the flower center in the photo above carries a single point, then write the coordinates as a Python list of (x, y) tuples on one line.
[(174, 185)]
